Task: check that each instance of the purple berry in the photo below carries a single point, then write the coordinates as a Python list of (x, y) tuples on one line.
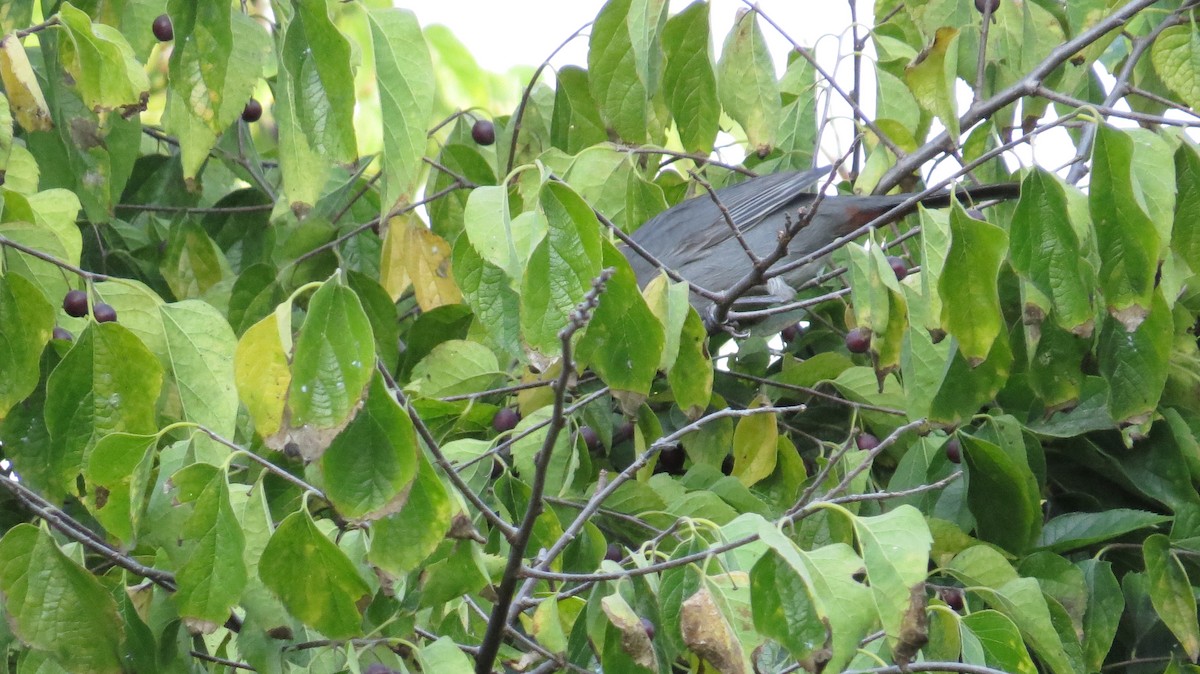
[(253, 111), (104, 313), (866, 441), (506, 419), (484, 132), (954, 450), (75, 303), (858, 340), (163, 30)]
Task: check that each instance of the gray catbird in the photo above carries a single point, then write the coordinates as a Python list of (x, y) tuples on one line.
[(694, 238)]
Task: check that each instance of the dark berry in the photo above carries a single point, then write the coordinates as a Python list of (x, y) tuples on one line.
[(484, 132), (505, 420), (104, 313), (898, 267), (497, 468), (976, 214), (624, 432), (953, 597), (866, 441), (75, 303), (163, 30), (671, 460), (253, 111), (987, 6), (954, 450), (790, 333), (858, 340), (613, 553), (62, 333), (649, 627), (727, 465), (590, 438)]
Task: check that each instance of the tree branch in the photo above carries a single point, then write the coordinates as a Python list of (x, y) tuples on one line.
[(541, 461)]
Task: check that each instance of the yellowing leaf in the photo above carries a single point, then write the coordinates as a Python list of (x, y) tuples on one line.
[(261, 371), (755, 447), (24, 94), (392, 274), (427, 261)]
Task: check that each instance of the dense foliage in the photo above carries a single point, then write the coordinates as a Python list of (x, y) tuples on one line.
[(319, 350)]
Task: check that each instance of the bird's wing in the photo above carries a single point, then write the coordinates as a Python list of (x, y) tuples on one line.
[(748, 203)]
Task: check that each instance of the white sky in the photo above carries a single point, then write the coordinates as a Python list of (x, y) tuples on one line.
[(504, 33)]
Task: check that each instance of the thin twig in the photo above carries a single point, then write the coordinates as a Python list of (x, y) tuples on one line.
[(72, 529), (500, 616), (506, 529)]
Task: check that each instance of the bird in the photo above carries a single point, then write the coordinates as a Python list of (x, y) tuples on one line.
[(694, 238)]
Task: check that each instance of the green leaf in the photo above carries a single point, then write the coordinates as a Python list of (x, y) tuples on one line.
[(6, 131), (576, 123), (100, 61), (623, 65), (624, 340), (461, 572), (213, 575), (1185, 233), (119, 471), (1126, 237), (689, 84), (1000, 641), (786, 610), (691, 375), (327, 600), (1171, 593), (562, 267), (443, 655), (201, 346), (1105, 605), (1136, 363), (45, 222), (192, 263), (1057, 373), (1023, 602), (217, 59), (488, 207), (28, 320), (405, 75), (879, 304), (968, 285), (830, 571), (57, 606), (1045, 252), (107, 382), (314, 104), (455, 367), (333, 362), (1001, 474), (1176, 57), (401, 541), (746, 82), (895, 547), (370, 466), (932, 78), (1070, 531), (964, 389)]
